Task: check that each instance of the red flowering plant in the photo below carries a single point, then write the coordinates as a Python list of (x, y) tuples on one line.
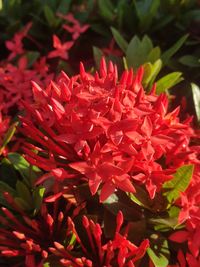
[(127, 161)]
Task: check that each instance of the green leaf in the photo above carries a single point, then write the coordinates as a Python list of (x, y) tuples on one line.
[(168, 81), (196, 99), (159, 260), (22, 203), (146, 11), (159, 250), (137, 51), (19, 163), (119, 39), (98, 54), (154, 54), (64, 6), (114, 203), (106, 9), (179, 183), (8, 174), (23, 192), (147, 43), (38, 195), (172, 50), (150, 72), (32, 57), (49, 15), (190, 61), (4, 187), (164, 224), (140, 197), (8, 136)]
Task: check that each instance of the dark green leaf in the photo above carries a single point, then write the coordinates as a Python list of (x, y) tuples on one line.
[(190, 61), (49, 15), (7, 173), (8, 136), (97, 53), (23, 192), (32, 57), (106, 9), (138, 51), (64, 6), (141, 197), (154, 55), (119, 39), (38, 195), (146, 11), (4, 187), (22, 203), (172, 50)]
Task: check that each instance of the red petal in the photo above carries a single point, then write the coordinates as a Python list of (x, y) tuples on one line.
[(179, 236)]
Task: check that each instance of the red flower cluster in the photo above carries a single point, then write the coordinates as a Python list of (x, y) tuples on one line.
[(15, 82), (53, 231), (104, 131), (117, 252)]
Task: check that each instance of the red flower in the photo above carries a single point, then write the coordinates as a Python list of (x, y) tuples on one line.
[(104, 131), (76, 29), (16, 45), (60, 49), (119, 251)]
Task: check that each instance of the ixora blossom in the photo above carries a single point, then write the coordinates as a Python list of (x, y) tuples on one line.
[(104, 131), (76, 29), (15, 45), (15, 82)]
